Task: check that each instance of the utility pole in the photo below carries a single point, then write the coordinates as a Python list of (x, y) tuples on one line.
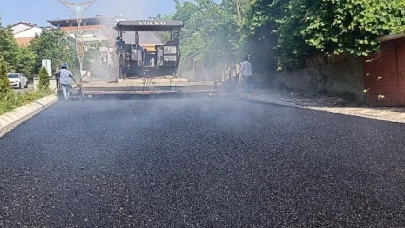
[(78, 10)]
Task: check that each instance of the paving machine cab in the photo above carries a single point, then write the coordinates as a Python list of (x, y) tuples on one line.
[(138, 61)]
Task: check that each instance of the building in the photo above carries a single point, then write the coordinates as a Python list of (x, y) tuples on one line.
[(22, 26), (94, 28), (100, 28), (24, 32)]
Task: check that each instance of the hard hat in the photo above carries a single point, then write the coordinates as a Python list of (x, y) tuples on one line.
[(64, 65)]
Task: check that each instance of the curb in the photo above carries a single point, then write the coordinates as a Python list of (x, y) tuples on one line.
[(10, 120), (346, 111), (340, 110), (269, 100)]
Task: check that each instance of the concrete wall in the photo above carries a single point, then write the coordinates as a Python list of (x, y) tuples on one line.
[(194, 70), (201, 73), (334, 78), (52, 84)]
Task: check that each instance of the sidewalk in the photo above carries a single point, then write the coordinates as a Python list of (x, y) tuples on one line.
[(325, 103)]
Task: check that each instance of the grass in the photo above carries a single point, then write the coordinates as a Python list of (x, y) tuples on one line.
[(11, 101)]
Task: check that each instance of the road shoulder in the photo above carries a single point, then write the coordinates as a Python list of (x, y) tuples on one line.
[(10, 120), (396, 115)]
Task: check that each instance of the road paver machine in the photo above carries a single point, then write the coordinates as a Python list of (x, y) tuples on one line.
[(147, 67), (139, 61)]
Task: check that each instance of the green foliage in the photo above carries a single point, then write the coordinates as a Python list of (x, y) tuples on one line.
[(5, 87), (91, 56), (285, 33), (352, 25), (305, 28), (54, 45), (163, 36), (44, 82), (8, 47), (91, 60), (26, 62), (210, 29), (11, 101)]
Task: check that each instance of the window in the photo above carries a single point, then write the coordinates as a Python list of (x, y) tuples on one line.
[(170, 49), (12, 75)]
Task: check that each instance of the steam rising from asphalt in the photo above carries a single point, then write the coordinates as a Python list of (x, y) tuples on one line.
[(129, 9)]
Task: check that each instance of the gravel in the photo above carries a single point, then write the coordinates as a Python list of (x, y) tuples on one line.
[(200, 163)]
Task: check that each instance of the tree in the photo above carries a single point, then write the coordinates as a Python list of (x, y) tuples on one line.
[(92, 58), (353, 25), (54, 45), (44, 82), (211, 29), (164, 36), (284, 33), (8, 47), (26, 61), (307, 28), (5, 87)]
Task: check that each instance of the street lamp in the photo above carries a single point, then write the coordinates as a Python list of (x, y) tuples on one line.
[(78, 10)]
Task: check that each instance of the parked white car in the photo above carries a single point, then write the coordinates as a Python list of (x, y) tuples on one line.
[(17, 80)]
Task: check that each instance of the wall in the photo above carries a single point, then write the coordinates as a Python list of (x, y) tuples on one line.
[(346, 76), (23, 41), (332, 78), (29, 33), (195, 70), (384, 74), (23, 38)]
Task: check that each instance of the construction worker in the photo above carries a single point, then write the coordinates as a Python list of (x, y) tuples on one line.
[(246, 73), (64, 76)]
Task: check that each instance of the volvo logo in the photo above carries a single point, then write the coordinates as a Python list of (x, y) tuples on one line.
[(152, 22)]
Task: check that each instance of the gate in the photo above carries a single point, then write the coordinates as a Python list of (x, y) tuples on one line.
[(384, 75), (401, 70)]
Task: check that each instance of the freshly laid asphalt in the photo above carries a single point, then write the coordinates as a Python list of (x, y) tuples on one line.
[(200, 162)]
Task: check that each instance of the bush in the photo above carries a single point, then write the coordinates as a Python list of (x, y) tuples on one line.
[(43, 80), (11, 101), (5, 87)]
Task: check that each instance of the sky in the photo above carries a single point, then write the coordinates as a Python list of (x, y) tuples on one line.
[(39, 11)]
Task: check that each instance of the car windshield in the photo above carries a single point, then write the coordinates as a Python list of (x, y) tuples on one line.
[(12, 75)]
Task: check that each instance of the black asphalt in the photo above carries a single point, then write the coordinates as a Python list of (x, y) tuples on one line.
[(202, 162)]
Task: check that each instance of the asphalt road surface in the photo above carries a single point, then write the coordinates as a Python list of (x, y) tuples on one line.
[(200, 163)]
